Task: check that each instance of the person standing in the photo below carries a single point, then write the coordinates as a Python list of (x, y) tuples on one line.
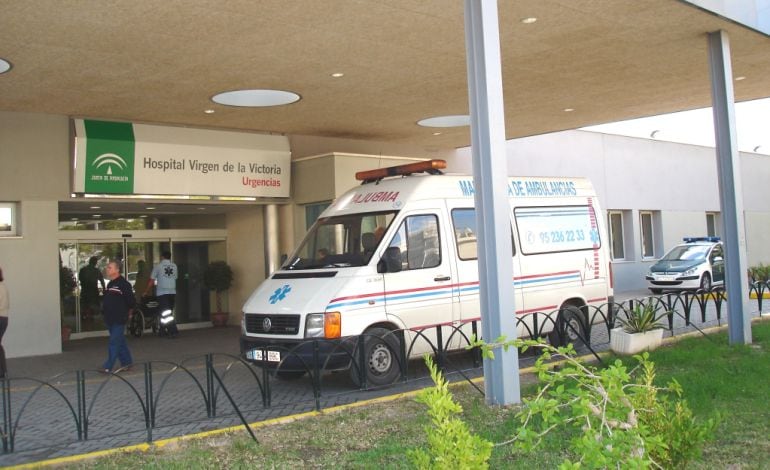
[(5, 306), (117, 303), (164, 276), (90, 278)]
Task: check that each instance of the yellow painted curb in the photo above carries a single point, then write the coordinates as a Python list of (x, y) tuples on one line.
[(765, 295)]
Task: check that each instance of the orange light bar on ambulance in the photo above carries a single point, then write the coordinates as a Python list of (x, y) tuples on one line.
[(429, 166)]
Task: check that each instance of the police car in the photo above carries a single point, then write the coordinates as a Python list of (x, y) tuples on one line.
[(698, 263)]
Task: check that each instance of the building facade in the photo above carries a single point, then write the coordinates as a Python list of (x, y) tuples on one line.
[(654, 194)]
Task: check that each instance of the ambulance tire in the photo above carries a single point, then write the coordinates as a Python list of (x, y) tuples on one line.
[(570, 328), (382, 364)]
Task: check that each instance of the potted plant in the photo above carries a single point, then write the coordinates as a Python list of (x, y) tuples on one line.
[(638, 331), (218, 277), (67, 284)]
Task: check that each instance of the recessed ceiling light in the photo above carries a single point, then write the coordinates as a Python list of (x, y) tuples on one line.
[(209, 111), (437, 133), (255, 98), (338, 75), (96, 207), (529, 20), (201, 208), (150, 208), (74, 218), (96, 215), (738, 79), (4, 65), (142, 216), (568, 110), (458, 120)]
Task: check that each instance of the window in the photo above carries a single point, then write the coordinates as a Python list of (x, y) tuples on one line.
[(648, 238), (617, 248), (464, 221), (556, 229), (711, 224), (9, 226), (417, 241), (341, 241)]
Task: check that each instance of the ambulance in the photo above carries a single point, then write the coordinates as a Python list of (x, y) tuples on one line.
[(397, 255)]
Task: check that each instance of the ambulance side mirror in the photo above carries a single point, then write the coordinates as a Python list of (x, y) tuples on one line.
[(390, 261)]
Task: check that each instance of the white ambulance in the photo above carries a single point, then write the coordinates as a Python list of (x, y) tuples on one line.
[(398, 254)]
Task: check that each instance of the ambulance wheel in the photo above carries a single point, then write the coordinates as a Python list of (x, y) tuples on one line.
[(570, 327), (381, 358), (656, 291)]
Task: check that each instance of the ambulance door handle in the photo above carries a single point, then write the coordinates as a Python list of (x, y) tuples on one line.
[(441, 278)]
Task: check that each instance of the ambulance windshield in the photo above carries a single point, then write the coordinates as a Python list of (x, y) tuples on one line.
[(341, 241)]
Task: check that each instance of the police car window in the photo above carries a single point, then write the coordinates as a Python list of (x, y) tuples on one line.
[(418, 242), (464, 224), (687, 253)]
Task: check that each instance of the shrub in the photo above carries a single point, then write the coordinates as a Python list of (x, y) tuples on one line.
[(619, 418), (450, 443)]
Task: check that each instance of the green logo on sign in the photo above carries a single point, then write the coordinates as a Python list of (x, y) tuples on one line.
[(109, 157)]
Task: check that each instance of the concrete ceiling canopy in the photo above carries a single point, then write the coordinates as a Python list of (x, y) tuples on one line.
[(161, 62)]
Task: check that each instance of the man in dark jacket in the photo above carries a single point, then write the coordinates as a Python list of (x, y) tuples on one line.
[(118, 301)]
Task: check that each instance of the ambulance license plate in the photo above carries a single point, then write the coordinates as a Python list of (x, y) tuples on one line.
[(256, 355)]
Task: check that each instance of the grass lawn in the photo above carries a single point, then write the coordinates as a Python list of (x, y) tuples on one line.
[(733, 381)]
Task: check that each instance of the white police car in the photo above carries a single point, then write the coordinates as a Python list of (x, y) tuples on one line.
[(698, 263)]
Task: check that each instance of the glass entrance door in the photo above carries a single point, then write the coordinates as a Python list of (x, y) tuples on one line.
[(81, 301), (192, 297)]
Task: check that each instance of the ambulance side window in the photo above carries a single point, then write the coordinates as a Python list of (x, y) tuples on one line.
[(418, 241), (464, 222)]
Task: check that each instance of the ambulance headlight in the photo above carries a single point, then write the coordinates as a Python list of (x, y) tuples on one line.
[(243, 323), (314, 325), (690, 271), (323, 325)]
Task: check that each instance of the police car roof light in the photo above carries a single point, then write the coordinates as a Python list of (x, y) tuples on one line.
[(701, 239), (428, 166)]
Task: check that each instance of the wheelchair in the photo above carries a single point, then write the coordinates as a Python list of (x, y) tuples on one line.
[(145, 316)]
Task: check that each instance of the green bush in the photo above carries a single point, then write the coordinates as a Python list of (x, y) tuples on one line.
[(760, 273), (618, 417), (450, 444)]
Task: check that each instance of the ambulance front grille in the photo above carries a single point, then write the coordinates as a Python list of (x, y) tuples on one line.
[(272, 324)]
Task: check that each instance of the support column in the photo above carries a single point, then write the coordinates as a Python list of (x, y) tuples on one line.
[(272, 256), (485, 91), (730, 188)]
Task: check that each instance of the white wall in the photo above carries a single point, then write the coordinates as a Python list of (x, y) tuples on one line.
[(630, 174), (34, 172)]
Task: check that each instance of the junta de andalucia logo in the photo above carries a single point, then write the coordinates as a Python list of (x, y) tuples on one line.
[(110, 150)]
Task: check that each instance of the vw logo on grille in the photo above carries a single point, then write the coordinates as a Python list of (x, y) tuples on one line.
[(266, 324)]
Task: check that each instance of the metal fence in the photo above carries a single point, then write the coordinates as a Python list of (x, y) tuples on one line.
[(83, 405)]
